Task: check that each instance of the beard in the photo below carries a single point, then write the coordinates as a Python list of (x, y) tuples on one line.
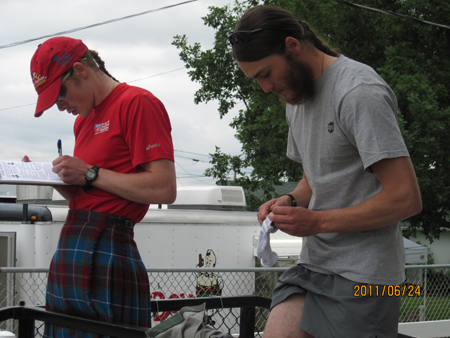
[(299, 79)]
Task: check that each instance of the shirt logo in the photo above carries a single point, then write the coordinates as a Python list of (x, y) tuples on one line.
[(150, 146), (330, 127), (101, 127)]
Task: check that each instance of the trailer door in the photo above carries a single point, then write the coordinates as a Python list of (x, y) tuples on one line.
[(7, 259)]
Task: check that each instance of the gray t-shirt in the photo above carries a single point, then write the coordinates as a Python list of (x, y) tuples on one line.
[(350, 125)]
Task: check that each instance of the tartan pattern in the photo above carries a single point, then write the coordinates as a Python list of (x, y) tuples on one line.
[(97, 273)]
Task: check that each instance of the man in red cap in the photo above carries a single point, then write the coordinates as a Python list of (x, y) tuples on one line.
[(123, 161)]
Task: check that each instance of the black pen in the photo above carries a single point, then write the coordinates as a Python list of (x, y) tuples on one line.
[(59, 148)]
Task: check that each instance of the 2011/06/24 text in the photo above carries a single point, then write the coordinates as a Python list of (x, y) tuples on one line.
[(386, 290)]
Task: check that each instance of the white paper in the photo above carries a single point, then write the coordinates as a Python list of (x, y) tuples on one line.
[(33, 173)]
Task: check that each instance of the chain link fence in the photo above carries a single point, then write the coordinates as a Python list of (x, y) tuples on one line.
[(425, 295)]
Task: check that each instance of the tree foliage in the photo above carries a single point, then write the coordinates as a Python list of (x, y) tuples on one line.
[(409, 55)]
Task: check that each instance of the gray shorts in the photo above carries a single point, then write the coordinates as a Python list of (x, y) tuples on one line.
[(338, 307)]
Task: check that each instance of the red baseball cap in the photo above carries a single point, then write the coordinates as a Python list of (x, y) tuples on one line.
[(51, 60)]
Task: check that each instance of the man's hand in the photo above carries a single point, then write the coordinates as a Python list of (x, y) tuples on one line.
[(295, 221), (70, 169), (267, 207)]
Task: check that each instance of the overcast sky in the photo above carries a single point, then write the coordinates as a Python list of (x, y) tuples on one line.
[(133, 49)]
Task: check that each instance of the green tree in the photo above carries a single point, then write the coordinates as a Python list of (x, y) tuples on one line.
[(409, 55), (261, 127)]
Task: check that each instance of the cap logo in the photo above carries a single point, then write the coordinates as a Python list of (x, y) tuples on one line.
[(63, 59), (38, 79)]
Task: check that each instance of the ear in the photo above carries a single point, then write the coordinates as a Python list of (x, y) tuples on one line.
[(293, 45), (80, 69)]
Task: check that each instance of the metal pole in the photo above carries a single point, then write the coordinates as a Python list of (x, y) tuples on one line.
[(25, 213), (425, 293)]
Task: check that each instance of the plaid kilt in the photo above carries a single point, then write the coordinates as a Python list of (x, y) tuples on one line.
[(97, 273)]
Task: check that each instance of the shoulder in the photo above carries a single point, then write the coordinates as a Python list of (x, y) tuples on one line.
[(355, 80), (136, 99), (129, 93), (350, 74)]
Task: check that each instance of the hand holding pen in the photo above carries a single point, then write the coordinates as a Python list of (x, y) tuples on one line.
[(70, 169)]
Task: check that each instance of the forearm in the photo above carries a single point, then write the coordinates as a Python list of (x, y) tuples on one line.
[(302, 193), (147, 187), (155, 185), (376, 212), (399, 199)]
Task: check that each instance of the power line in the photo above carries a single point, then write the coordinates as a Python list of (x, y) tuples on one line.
[(147, 77), (190, 158), (191, 175), (382, 11), (94, 25), (187, 152), (244, 170), (25, 105)]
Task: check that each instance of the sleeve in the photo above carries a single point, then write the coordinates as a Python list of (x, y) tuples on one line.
[(148, 130), (368, 117)]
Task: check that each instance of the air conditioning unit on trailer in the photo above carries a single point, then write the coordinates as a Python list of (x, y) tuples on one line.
[(209, 198)]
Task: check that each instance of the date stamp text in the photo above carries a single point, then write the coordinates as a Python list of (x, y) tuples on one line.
[(369, 290)]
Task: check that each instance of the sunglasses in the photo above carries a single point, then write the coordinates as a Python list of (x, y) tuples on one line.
[(241, 37), (62, 91)]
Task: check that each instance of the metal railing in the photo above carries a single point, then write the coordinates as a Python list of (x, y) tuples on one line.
[(28, 315), (425, 295)]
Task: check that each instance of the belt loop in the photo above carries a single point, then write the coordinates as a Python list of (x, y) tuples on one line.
[(129, 224)]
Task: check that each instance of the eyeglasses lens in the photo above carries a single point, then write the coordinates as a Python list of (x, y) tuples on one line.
[(242, 37), (62, 91), (239, 38)]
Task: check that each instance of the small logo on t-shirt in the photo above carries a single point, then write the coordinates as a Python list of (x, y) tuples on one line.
[(330, 127), (101, 127), (150, 146)]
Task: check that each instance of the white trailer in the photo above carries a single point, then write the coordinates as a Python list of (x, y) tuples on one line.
[(206, 227)]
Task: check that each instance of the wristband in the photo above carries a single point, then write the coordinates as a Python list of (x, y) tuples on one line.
[(293, 201)]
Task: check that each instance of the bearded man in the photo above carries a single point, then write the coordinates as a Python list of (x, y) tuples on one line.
[(358, 181)]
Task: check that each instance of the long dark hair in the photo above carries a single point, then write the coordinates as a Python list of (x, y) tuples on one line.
[(276, 24)]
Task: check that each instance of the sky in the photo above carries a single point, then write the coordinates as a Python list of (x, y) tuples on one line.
[(138, 51)]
